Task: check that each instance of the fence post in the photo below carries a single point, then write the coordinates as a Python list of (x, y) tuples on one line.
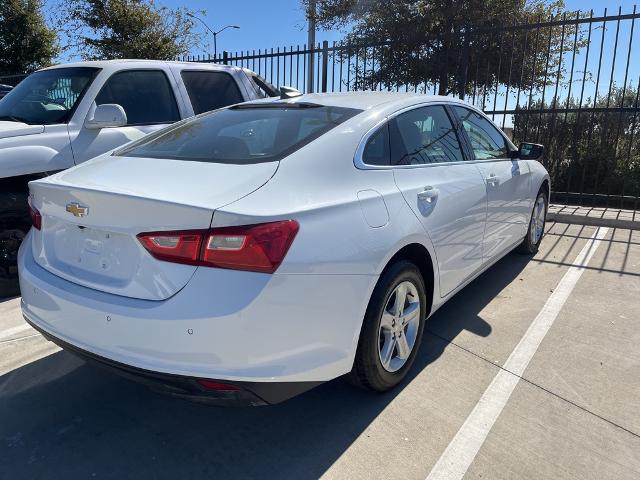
[(464, 64), (225, 57), (325, 64)]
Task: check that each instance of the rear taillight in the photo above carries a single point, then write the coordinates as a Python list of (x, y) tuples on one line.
[(36, 218), (256, 248), (177, 247)]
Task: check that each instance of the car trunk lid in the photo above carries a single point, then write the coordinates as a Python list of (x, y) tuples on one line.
[(90, 220)]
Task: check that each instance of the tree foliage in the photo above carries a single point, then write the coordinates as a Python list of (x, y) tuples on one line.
[(26, 42), (450, 42), (105, 29), (591, 151)]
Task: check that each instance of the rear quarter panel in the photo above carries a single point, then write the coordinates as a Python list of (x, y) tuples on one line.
[(318, 186), (336, 205)]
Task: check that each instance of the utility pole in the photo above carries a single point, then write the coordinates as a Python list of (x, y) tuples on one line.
[(311, 42)]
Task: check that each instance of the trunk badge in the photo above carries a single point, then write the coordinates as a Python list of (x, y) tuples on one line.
[(77, 210)]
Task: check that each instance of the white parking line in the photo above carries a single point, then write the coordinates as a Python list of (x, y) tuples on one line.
[(459, 454), (14, 330)]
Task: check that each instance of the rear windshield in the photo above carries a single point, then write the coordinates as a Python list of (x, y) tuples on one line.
[(242, 134)]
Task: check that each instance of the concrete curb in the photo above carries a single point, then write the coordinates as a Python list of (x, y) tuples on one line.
[(593, 221)]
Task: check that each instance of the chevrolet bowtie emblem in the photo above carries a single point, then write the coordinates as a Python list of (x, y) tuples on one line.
[(77, 210)]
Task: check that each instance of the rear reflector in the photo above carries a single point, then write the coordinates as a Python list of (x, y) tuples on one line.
[(217, 386), (36, 218), (256, 248)]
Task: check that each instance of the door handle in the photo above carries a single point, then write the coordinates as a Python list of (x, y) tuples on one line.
[(428, 194), (492, 180)]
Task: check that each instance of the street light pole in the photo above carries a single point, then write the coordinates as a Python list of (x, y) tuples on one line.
[(215, 34), (215, 37)]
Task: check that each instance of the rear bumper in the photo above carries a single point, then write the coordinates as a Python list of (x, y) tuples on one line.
[(243, 328), (244, 394)]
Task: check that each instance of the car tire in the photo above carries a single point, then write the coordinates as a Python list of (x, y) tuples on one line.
[(535, 232), (383, 331)]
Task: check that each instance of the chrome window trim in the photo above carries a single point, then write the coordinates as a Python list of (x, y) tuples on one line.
[(361, 165)]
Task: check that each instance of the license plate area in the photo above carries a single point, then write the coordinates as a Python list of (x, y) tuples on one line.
[(91, 254)]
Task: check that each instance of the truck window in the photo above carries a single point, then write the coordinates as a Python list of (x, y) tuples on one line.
[(264, 88), (209, 90), (145, 95), (47, 96)]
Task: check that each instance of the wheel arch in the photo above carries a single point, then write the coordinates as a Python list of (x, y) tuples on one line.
[(420, 256), (546, 186)]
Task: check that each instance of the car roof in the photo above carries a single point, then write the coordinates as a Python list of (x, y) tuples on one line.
[(117, 64), (367, 100)]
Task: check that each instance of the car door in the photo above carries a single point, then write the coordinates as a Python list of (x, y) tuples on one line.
[(148, 100), (445, 192), (507, 182)]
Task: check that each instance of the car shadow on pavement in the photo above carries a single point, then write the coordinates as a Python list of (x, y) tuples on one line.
[(61, 418)]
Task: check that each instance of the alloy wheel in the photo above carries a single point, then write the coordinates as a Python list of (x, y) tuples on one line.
[(399, 326), (537, 220)]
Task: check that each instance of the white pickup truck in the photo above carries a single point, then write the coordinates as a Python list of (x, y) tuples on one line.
[(64, 115)]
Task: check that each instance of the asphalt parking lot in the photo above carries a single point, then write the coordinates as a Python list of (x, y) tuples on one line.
[(532, 371)]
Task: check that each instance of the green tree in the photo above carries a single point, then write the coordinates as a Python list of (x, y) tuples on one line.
[(595, 151), (106, 29), (449, 42), (26, 42)]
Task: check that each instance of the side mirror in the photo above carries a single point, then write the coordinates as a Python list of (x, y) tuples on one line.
[(105, 116), (530, 151)]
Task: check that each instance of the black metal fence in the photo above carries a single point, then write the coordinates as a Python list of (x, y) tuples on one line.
[(569, 82)]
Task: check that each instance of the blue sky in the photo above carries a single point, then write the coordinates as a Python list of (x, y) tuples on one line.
[(278, 23), (282, 22)]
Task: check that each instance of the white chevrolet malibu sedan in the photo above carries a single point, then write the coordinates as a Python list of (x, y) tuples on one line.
[(247, 254)]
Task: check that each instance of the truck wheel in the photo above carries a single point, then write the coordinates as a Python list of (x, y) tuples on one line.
[(14, 225)]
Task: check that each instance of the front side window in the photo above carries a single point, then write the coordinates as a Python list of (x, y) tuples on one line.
[(48, 96), (210, 90), (486, 141), (145, 95), (242, 134)]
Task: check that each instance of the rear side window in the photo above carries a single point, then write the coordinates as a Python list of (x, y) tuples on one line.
[(145, 95), (243, 134), (486, 141), (210, 90), (376, 151), (422, 136)]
